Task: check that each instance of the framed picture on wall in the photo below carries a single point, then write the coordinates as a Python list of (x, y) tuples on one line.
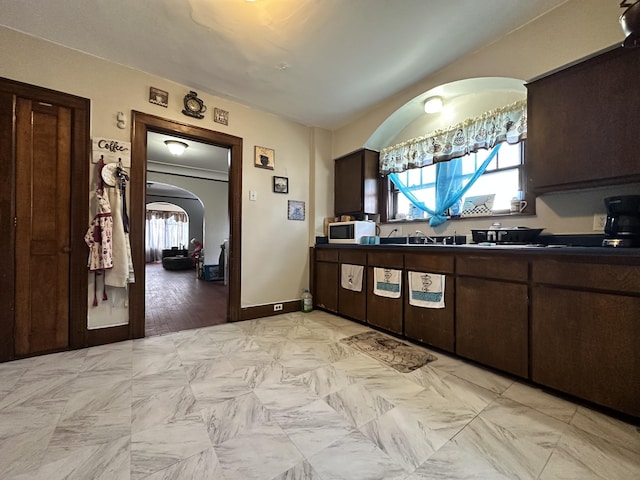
[(295, 210), (280, 184), (265, 157), (158, 97), (220, 116)]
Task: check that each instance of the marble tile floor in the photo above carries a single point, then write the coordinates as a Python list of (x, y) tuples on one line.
[(280, 398)]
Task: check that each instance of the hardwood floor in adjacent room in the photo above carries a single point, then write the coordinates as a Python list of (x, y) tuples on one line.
[(176, 300)]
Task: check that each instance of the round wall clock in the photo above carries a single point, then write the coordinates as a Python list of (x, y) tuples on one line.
[(194, 106)]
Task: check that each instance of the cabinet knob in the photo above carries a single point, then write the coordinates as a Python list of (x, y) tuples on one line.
[(66, 249)]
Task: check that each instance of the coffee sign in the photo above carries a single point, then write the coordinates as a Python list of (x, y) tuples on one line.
[(111, 151)]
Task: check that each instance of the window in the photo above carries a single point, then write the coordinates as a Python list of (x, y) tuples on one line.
[(503, 177)]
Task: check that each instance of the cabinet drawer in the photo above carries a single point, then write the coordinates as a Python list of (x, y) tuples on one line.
[(429, 262), (326, 255), (354, 257), (619, 278), (385, 259), (499, 268)]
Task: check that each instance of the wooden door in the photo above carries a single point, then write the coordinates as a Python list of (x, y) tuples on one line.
[(42, 245)]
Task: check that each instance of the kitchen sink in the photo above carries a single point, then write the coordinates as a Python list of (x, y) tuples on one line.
[(446, 240)]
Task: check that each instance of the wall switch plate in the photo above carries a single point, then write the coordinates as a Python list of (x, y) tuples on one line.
[(599, 219), (277, 307), (253, 196)]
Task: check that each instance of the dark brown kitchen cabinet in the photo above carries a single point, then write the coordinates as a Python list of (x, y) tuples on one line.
[(384, 312), (351, 303), (431, 326), (581, 127), (491, 297), (325, 294), (356, 183), (585, 331)]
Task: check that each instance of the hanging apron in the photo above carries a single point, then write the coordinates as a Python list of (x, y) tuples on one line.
[(99, 238)]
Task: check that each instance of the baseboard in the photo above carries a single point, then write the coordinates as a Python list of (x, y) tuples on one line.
[(249, 313)]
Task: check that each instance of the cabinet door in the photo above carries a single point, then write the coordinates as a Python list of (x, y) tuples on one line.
[(325, 285), (579, 133), (356, 183), (492, 323), (586, 344), (432, 326), (384, 312), (353, 304)]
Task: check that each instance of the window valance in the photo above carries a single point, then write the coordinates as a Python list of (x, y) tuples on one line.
[(505, 124), (179, 217)]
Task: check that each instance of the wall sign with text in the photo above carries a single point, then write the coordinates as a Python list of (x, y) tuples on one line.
[(111, 151)]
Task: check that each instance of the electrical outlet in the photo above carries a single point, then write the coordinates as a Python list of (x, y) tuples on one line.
[(599, 219), (277, 307)]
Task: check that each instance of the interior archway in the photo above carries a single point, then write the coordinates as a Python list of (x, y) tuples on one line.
[(462, 99)]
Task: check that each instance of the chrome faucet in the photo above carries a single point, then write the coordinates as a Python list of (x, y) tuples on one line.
[(426, 237)]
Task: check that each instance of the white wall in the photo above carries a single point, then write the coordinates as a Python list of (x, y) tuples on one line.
[(274, 249)]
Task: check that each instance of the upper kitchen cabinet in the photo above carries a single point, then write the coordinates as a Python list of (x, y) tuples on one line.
[(583, 124), (356, 183)]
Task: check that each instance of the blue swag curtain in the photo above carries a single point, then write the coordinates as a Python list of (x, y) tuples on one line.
[(449, 187)]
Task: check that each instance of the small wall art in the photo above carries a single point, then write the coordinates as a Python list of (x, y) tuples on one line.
[(220, 116), (280, 184), (158, 97), (295, 210), (265, 157)]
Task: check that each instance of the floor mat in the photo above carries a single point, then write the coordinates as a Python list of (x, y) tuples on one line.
[(401, 356)]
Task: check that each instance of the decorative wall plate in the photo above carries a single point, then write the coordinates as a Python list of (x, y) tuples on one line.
[(108, 174)]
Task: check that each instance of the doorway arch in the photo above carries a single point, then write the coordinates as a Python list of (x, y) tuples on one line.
[(141, 124)]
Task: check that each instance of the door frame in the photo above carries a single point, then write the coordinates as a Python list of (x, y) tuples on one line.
[(141, 124), (78, 209)]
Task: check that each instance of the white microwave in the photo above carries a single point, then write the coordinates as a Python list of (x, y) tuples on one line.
[(351, 232)]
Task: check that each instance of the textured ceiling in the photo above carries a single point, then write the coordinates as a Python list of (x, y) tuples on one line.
[(318, 62)]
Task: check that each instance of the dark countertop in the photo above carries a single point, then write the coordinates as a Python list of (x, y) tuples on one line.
[(537, 249)]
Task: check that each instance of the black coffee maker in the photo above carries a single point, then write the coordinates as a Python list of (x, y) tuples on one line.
[(622, 228)]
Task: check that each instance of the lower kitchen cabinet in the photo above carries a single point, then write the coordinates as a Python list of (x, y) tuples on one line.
[(326, 280), (384, 312), (585, 342), (431, 326), (579, 347), (353, 304), (492, 318)]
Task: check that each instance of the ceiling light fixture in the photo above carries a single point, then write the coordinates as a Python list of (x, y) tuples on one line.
[(175, 147), (433, 105)]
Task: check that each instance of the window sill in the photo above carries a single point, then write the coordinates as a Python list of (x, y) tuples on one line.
[(495, 214)]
